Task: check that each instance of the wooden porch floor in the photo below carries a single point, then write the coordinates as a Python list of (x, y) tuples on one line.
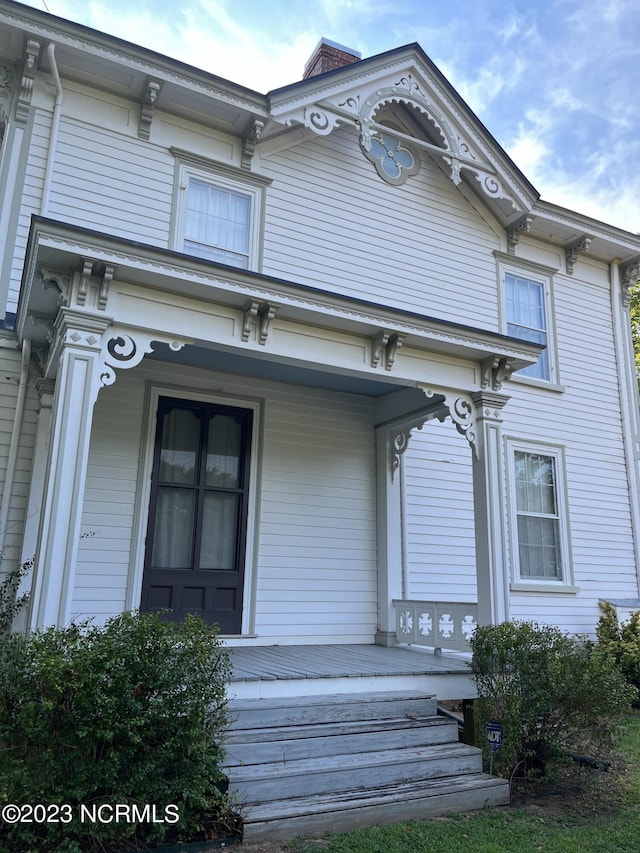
[(275, 668)]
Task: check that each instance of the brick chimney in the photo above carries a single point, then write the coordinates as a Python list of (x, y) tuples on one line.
[(328, 56)]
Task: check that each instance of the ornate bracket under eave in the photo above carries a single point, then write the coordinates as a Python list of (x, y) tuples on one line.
[(259, 314), (495, 371), (572, 250), (514, 231), (250, 140), (60, 280), (147, 106), (31, 54), (384, 346), (104, 273), (629, 277), (7, 76)]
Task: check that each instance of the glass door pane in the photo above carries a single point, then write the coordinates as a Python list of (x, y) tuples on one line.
[(174, 528), (179, 448), (219, 531), (224, 452)]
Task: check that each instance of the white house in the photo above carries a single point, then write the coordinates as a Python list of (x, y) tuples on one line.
[(286, 359), (319, 364)]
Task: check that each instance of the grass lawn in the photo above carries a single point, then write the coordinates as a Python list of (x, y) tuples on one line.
[(602, 817)]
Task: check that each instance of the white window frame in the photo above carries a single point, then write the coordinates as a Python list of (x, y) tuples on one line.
[(225, 177), (143, 494), (542, 276), (565, 583)]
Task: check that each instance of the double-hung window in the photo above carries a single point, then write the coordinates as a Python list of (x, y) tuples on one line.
[(218, 214), (527, 313), (527, 319), (538, 514), (217, 223)]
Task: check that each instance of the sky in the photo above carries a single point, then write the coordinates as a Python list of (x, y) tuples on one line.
[(556, 82)]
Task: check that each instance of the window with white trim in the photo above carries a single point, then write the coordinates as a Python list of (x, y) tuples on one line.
[(218, 217), (527, 313), (538, 514)]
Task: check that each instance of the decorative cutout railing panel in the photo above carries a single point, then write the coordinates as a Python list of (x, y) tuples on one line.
[(441, 624)]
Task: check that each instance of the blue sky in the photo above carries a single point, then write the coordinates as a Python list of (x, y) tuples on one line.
[(555, 81)]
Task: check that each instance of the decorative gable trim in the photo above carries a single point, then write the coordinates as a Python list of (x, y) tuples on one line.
[(455, 138)]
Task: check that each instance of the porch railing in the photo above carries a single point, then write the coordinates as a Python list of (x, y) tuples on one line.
[(441, 624)]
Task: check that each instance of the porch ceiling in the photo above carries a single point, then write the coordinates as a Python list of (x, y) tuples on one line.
[(269, 370)]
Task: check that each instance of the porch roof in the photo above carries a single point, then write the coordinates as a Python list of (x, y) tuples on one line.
[(58, 246)]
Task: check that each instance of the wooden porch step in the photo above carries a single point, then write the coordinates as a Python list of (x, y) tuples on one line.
[(264, 782), (281, 821), (302, 710), (300, 742), (302, 765)]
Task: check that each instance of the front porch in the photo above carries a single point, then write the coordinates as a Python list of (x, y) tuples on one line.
[(261, 672)]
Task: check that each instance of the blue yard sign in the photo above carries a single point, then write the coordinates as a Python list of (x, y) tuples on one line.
[(495, 735)]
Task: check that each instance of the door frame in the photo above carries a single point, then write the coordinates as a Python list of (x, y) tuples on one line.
[(143, 493)]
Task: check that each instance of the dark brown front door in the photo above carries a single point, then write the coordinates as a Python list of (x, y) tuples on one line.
[(194, 561)]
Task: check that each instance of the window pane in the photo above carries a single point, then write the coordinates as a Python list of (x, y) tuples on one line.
[(526, 319), (217, 224), (539, 547), (538, 523), (219, 527), (173, 530), (535, 483), (224, 451), (179, 449)]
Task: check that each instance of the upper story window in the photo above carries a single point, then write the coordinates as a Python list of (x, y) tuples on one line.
[(218, 213), (526, 319), (527, 310), (217, 224)]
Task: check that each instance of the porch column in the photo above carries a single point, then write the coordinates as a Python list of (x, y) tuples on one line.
[(77, 354), (489, 508), (389, 536)]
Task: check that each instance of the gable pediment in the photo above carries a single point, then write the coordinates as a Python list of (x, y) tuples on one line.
[(401, 99)]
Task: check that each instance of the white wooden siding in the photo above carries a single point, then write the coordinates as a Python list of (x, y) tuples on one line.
[(332, 222), (109, 502), (10, 366), (316, 569), (440, 538), (105, 181)]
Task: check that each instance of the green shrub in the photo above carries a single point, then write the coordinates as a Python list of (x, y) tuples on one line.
[(131, 713), (621, 641), (10, 602), (551, 693)]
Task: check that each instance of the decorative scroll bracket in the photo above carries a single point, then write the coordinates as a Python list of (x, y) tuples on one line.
[(259, 314), (629, 277), (495, 371), (385, 343), (124, 350), (249, 142), (521, 226), (31, 54), (460, 408), (578, 247), (147, 107)]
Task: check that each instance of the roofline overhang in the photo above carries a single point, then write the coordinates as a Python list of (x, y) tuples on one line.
[(51, 28), (67, 247)]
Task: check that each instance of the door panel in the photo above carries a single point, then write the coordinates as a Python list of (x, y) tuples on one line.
[(196, 539)]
